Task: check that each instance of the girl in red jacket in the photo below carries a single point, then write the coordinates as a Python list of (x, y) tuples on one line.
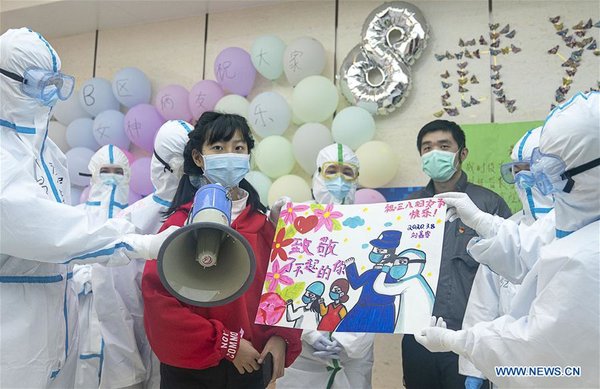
[(217, 347)]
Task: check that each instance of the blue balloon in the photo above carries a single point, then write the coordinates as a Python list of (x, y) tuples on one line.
[(131, 87), (109, 129), (80, 134), (96, 96)]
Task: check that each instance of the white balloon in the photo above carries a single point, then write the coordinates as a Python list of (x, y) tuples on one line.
[(269, 114), (58, 133), (308, 140), (233, 104), (78, 159), (76, 192), (80, 133), (302, 58), (69, 110)]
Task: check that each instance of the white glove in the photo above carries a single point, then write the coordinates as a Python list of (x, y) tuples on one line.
[(326, 348), (460, 206), (146, 246), (437, 338), (276, 209)]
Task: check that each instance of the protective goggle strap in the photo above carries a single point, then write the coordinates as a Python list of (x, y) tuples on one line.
[(575, 171), (85, 174), (166, 165), (14, 76), (340, 153)]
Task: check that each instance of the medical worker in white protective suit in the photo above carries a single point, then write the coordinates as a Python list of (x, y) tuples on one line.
[(108, 354), (147, 216), (336, 359), (552, 328), (492, 294), (41, 236)]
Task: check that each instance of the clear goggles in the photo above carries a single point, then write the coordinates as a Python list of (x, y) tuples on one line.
[(509, 170), (43, 84), (551, 174), (332, 170), (548, 172)]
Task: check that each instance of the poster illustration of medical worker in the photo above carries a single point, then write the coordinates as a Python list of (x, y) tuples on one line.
[(354, 268)]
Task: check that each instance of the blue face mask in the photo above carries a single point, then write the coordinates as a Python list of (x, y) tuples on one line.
[(334, 295), (398, 271), (338, 187), (375, 257), (306, 299), (226, 169), (524, 179)]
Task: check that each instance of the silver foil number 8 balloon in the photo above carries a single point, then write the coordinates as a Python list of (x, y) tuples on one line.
[(375, 75)]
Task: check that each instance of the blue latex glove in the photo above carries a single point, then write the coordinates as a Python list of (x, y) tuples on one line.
[(473, 382)]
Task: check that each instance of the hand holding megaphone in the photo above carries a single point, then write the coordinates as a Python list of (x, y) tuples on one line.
[(146, 246)]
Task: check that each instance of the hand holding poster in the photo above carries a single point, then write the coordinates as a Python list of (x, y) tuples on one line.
[(354, 268)]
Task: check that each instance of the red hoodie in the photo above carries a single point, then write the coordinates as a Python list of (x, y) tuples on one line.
[(191, 337)]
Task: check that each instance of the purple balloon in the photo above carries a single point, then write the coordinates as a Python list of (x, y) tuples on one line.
[(141, 125), (140, 181), (133, 197), (234, 71), (204, 96), (172, 103)]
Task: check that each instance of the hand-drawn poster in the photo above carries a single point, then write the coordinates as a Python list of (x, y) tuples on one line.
[(354, 268)]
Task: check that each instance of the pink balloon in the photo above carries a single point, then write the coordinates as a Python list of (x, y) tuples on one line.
[(84, 195), (141, 125), (234, 71), (140, 181), (204, 96), (133, 197), (368, 196), (172, 103)]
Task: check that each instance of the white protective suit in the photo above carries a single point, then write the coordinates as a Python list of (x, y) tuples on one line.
[(355, 364), (41, 236), (146, 215), (554, 318), (492, 294), (108, 354)]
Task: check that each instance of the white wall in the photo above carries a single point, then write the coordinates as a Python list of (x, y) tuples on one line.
[(174, 52)]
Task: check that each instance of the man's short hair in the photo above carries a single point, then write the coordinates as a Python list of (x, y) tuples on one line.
[(443, 125)]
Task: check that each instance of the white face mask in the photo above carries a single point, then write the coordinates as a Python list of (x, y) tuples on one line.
[(226, 169)]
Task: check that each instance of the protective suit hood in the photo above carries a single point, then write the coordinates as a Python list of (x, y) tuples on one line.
[(168, 145), (572, 133), (21, 49), (535, 204), (336, 152), (108, 200)]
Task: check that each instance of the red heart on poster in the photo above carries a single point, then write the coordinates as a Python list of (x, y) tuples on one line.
[(305, 224)]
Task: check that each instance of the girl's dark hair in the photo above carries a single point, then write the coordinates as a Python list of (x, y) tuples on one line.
[(212, 127), (315, 306)]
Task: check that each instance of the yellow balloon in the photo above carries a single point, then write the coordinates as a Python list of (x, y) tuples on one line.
[(274, 156), (295, 187), (378, 164)]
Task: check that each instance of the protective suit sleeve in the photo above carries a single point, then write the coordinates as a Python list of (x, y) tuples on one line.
[(483, 306), (515, 248), (54, 232), (355, 345), (556, 325)]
